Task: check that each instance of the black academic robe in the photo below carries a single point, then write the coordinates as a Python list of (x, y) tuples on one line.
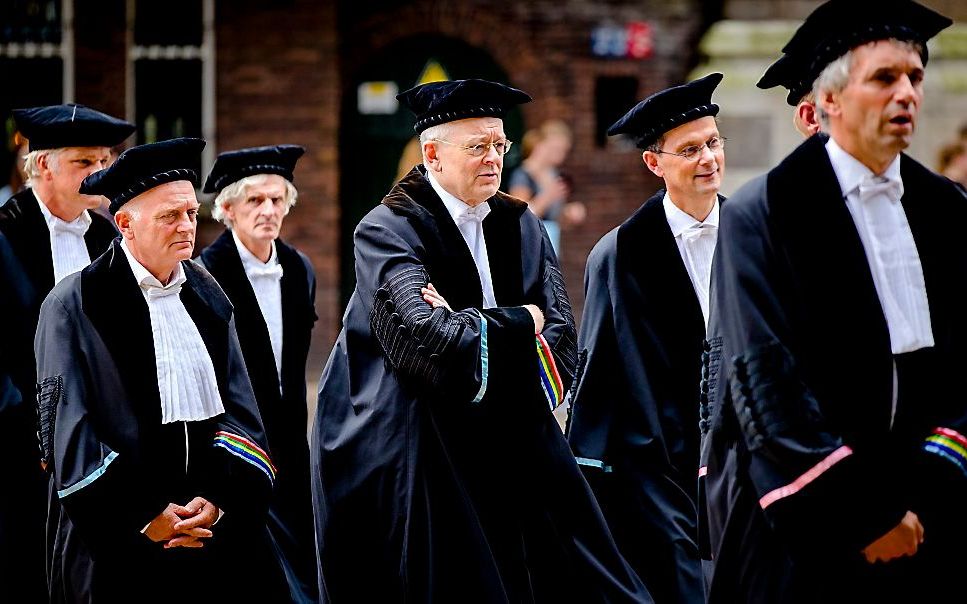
[(21, 526), (634, 403), (807, 461), (23, 223), (28, 274), (114, 465), (439, 473), (283, 410)]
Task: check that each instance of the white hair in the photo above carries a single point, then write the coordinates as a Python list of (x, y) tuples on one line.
[(438, 132), (835, 77), (131, 209), (238, 190), (32, 163)]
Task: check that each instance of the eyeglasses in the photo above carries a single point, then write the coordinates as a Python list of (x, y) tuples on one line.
[(501, 147), (693, 152)]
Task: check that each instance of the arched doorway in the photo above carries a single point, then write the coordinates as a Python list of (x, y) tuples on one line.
[(375, 133)]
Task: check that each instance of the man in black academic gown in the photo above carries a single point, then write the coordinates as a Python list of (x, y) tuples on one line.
[(634, 406), (148, 422), (52, 232), (273, 289), (439, 473), (836, 457)]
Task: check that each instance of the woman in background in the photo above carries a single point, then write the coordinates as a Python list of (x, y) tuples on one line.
[(539, 182)]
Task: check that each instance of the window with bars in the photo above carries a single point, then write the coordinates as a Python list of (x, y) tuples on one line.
[(171, 71), (36, 65), (31, 22)]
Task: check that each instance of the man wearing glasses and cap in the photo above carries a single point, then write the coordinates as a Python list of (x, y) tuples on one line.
[(148, 422), (273, 289), (52, 232), (634, 422), (439, 473), (837, 460)]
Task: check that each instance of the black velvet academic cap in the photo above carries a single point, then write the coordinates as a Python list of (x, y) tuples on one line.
[(233, 166), (71, 125), (668, 109), (145, 167), (441, 102), (792, 73), (838, 26)]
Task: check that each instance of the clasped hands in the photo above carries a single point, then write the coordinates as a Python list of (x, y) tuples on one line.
[(183, 526)]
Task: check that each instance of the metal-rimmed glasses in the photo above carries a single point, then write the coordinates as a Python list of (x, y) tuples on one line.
[(693, 152), (480, 149)]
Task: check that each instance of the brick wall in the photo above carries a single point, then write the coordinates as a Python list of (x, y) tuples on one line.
[(277, 75), (99, 55)]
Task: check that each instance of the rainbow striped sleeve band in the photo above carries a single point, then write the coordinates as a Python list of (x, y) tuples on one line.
[(949, 444), (247, 451), (550, 378)]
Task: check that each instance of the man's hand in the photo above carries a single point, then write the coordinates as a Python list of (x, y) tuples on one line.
[(902, 540), (433, 297), (538, 317), (196, 526), (162, 528)]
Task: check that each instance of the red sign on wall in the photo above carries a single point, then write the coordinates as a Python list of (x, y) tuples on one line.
[(640, 41)]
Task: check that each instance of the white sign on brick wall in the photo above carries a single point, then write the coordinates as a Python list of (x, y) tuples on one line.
[(377, 98)]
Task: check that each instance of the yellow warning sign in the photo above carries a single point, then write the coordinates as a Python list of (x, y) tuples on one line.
[(433, 72)]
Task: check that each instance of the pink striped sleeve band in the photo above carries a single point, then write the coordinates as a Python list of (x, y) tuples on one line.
[(811, 474)]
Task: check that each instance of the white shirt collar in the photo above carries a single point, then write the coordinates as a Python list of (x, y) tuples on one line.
[(251, 260), (850, 171), (50, 219), (680, 221), (454, 206), (144, 277)]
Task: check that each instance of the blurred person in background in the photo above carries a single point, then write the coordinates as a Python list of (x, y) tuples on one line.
[(539, 181), (952, 162)]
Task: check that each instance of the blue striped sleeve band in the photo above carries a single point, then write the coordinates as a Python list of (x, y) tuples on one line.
[(97, 473), (484, 359)]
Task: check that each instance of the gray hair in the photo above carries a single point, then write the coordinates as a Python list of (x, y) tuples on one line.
[(131, 209), (656, 146), (32, 163), (835, 77), (438, 132), (238, 191)]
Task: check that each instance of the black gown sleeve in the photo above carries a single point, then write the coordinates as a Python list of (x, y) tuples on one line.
[(16, 355), (626, 461), (240, 474), (814, 487), (105, 494), (599, 372)]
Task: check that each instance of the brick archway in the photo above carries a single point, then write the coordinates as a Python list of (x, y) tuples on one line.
[(492, 32)]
